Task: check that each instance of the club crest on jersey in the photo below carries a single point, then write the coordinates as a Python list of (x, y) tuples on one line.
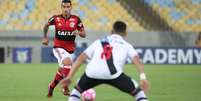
[(72, 24), (58, 19)]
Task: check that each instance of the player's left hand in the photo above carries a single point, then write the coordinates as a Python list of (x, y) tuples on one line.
[(144, 84), (75, 32), (65, 82), (81, 33), (66, 91), (64, 86)]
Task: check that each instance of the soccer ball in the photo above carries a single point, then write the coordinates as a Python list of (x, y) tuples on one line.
[(89, 95)]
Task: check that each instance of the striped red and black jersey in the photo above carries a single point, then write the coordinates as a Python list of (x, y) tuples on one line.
[(63, 31)]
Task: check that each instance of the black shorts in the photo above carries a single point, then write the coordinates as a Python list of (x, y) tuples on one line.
[(123, 83)]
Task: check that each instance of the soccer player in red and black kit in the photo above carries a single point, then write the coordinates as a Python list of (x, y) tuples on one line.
[(67, 26)]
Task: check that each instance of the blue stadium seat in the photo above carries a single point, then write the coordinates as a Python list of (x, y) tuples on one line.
[(176, 15), (181, 15), (30, 14)]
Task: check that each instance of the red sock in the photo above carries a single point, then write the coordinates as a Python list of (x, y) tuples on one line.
[(58, 77), (61, 73), (65, 70)]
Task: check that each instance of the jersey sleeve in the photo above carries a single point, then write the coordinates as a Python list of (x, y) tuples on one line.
[(132, 52), (51, 20), (90, 50), (80, 25)]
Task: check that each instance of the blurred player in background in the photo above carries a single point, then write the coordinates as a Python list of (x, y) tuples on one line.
[(198, 41), (67, 26), (107, 58)]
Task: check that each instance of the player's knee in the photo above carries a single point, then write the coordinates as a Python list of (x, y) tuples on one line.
[(74, 98), (67, 61), (140, 95), (78, 89), (135, 88), (135, 83), (136, 91), (75, 95)]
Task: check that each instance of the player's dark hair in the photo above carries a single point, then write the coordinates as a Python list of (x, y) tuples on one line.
[(119, 27), (66, 1)]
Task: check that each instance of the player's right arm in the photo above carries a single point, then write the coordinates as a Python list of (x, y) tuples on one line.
[(144, 84), (45, 39)]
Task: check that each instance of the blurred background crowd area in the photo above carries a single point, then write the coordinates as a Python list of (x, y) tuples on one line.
[(152, 24), (98, 15)]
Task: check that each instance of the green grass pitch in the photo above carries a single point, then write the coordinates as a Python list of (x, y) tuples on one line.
[(28, 82)]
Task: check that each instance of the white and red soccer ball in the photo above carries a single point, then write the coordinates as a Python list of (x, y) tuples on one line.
[(89, 95)]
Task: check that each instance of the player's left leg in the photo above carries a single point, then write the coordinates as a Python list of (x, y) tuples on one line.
[(127, 85), (54, 83), (65, 62)]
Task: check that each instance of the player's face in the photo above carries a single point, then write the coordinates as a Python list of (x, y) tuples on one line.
[(66, 8)]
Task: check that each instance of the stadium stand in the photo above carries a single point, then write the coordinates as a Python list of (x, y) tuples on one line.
[(181, 15), (32, 14)]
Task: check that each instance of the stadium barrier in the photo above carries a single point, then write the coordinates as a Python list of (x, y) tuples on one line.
[(148, 43), (22, 55), (149, 55), (2, 55), (170, 55)]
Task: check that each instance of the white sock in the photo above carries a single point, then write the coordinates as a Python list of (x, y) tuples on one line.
[(75, 95), (140, 96)]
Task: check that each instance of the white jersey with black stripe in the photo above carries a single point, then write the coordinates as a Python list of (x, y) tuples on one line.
[(100, 66)]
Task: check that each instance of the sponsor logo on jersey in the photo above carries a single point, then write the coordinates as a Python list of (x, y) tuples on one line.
[(65, 33)]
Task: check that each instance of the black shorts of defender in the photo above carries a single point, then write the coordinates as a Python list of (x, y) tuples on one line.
[(123, 83)]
